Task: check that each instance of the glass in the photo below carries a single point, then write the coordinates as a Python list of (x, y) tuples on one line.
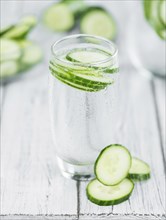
[(146, 48), (83, 122)]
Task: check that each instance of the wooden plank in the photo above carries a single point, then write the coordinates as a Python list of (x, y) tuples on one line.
[(136, 129), (83, 217), (39, 217), (159, 89), (30, 180)]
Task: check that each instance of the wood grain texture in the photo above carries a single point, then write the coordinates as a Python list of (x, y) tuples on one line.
[(30, 180), (137, 129), (159, 90), (31, 185)]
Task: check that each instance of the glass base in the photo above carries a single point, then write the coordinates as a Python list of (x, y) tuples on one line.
[(76, 172)]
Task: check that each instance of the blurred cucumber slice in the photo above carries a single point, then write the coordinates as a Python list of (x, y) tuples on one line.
[(8, 68), (162, 12), (10, 50), (21, 29), (5, 29), (32, 53), (97, 21), (58, 17), (29, 20), (155, 14)]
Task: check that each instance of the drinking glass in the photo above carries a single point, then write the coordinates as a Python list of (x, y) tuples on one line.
[(83, 122), (146, 48)]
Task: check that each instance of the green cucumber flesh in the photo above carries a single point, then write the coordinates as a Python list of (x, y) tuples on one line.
[(8, 68), (98, 22), (109, 195), (112, 164), (102, 80), (58, 17), (85, 79), (90, 55), (147, 9), (162, 12), (32, 54), (24, 43), (5, 30), (10, 50), (155, 14), (76, 85), (139, 170), (21, 29), (72, 79), (30, 20)]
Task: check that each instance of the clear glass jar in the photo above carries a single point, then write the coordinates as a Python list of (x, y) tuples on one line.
[(146, 48), (83, 122)]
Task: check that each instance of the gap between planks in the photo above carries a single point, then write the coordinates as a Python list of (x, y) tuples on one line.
[(93, 216), (156, 107)]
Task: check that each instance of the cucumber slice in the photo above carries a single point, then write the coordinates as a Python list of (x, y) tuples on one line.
[(112, 164), (155, 14), (24, 43), (10, 50), (32, 54), (84, 79), (5, 30), (21, 29), (98, 22), (147, 9), (8, 68), (109, 195), (76, 85), (74, 81), (30, 20), (162, 34), (101, 80), (90, 55), (77, 7), (139, 170), (162, 12), (58, 17)]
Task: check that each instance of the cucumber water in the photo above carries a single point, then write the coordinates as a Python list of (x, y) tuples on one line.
[(91, 67), (82, 100)]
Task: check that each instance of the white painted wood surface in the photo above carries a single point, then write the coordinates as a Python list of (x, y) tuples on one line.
[(31, 185)]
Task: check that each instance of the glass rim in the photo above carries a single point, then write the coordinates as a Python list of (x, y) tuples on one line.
[(75, 36)]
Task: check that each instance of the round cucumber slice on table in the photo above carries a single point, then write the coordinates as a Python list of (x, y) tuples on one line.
[(10, 50), (139, 170), (8, 68), (97, 21), (109, 195), (58, 17), (112, 164)]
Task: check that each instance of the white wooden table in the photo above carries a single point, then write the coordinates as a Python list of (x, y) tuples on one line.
[(31, 185)]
